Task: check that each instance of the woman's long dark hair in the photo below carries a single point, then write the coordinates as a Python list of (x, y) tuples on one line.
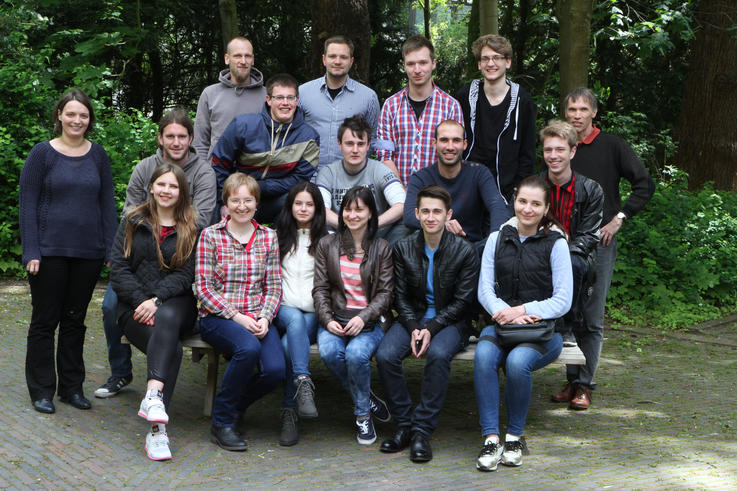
[(286, 225), (364, 194), (184, 214), (549, 219)]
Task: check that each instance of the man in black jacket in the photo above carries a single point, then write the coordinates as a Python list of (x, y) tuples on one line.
[(436, 276), (606, 159), (577, 202)]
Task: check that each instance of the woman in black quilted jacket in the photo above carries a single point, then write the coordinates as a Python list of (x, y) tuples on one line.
[(152, 272)]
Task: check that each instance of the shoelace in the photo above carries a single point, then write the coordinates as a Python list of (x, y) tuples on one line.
[(309, 387), (513, 446), (160, 440), (489, 448), (289, 417), (363, 425)]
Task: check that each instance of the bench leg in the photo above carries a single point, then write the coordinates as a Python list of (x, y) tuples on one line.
[(212, 382)]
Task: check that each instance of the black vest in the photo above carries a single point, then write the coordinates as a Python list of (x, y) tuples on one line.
[(522, 269)]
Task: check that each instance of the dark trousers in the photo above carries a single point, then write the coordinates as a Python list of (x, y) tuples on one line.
[(393, 349), (60, 294), (174, 319), (580, 270), (256, 366)]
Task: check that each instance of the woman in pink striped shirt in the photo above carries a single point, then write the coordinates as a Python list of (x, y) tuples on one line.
[(354, 280)]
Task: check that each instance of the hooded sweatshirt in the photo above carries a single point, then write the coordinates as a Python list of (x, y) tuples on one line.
[(220, 103), (515, 145), (200, 177), (277, 155)]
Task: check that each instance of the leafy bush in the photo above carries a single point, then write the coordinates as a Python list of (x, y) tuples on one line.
[(677, 260)]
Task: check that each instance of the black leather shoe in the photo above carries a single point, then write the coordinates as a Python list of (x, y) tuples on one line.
[(420, 450), (44, 406), (228, 438), (398, 442), (77, 400)]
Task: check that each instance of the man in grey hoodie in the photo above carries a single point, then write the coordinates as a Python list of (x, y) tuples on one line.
[(240, 90), (175, 147)]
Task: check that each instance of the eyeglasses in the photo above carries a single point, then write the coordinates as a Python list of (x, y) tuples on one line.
[(496, 59), (283, 98)]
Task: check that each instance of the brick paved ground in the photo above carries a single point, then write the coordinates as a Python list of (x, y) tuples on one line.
[(664, 417)]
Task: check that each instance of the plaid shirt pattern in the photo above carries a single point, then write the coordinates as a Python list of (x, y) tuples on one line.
[(405, 140), (232, 278)]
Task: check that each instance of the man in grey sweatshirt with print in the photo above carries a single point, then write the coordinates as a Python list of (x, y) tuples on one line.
[(240, 90)]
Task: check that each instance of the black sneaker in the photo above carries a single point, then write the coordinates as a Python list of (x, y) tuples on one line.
[(379, 409), (112, 386), (305, 397), (289, 434), (366, 433)]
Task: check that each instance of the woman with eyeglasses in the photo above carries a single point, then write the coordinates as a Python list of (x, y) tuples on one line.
[(238, 282)]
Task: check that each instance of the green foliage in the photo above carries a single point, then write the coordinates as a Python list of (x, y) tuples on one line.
[(449, 28), (127, 137), (677, 260)]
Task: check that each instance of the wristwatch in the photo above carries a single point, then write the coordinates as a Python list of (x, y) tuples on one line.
[(156, 301), (621, 216)]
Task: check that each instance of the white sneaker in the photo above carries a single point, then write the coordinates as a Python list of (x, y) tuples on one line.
[(152, 408), (157, 443), (489, 456), (512, 455)]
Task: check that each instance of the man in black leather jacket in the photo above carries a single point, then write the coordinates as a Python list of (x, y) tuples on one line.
[(578, 204), (436, 276)]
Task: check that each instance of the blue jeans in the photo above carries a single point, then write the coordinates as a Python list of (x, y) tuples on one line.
[(590, 335), (298, 330), (394, 348), (519, 364), (119, 355), (349, 359), (241, 387)]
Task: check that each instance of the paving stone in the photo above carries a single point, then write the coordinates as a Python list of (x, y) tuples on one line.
[(663, 417)]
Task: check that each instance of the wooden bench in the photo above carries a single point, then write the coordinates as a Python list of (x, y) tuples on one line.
[(199, 349), (569, 355)]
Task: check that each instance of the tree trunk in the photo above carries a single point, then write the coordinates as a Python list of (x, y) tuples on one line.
[(228, 21), (574, 20), (349, 18), (708, 129), (426, 17), (488, 17)]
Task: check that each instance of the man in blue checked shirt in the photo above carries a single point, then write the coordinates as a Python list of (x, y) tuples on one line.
[(327, 101)]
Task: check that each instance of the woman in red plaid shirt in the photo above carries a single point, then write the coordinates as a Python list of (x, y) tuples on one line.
[(238, 282)]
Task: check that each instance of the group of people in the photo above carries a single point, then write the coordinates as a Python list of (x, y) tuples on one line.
[(386, 258)]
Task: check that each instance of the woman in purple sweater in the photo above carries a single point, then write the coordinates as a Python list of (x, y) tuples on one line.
[(67, 225)]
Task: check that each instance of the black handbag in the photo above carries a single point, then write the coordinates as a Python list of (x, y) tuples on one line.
[(510, 335)]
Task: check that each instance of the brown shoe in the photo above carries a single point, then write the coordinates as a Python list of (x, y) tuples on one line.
[(582, 400), (564, 395)]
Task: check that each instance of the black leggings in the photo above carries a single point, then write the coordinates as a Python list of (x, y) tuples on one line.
[(174, 320)]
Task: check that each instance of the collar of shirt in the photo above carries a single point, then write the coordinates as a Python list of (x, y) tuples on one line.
[(594, 132), (349, 85)]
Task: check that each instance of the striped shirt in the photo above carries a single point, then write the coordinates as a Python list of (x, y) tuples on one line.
[(562, 199), (407, 141), (350, 273), (232, 277)]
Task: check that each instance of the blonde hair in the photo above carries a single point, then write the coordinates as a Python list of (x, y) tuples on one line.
[(561, 129), (238, 179)]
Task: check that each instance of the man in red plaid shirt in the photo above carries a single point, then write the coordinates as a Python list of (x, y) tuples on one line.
[(408, 119)]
